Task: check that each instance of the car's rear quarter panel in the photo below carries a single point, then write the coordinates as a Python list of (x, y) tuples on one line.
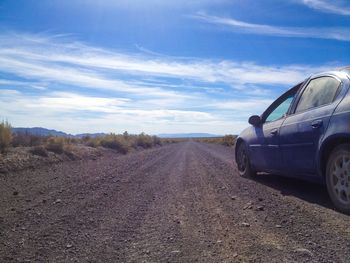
[(338, 130)]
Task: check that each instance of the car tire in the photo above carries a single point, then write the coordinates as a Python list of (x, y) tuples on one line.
[(338, 177), (243, 161)]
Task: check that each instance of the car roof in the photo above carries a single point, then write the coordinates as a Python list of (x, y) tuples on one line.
[(346, 70), (337, 72)]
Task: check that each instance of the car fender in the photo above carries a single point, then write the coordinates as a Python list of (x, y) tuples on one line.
[(247, 136)]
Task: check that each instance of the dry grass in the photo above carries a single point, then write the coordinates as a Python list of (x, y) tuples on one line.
[(144, 141), (5, 136), (41, 145), (115, 142), (55, 144), (123, 143), (227, 140), (39, 150), (26, 139), (173, 140)]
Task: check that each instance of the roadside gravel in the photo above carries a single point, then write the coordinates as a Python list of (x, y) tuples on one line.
[(177, 203)]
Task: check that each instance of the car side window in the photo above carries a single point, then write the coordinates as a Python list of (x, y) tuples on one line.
[(281, 110), (320, 91)]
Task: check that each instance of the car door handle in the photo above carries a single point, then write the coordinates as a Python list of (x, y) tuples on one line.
[(274, 132), (316, 124)]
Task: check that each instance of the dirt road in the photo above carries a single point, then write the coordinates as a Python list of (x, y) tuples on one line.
[(178, 203)]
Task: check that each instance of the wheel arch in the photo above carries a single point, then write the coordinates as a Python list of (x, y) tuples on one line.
[(327, 147)]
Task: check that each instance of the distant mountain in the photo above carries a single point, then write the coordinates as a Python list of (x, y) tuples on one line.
[(40, 132), (46, 132), (187, 135)]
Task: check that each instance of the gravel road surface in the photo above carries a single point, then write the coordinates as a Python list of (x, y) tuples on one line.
[(183, 202)]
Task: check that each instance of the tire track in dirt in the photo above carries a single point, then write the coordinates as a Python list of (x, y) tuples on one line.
[(83, 204)]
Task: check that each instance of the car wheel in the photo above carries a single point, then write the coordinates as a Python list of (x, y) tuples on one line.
[(243, 162), (338, 177)]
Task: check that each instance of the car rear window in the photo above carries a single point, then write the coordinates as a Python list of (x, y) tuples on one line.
[(320, 91)]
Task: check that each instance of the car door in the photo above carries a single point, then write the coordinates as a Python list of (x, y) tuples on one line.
[(265, 150), (301, 130)]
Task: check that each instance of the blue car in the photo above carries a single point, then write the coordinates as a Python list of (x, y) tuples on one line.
[(305, 133)]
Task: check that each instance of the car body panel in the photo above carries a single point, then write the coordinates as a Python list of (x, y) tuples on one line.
[(299, 136), (265, 150)]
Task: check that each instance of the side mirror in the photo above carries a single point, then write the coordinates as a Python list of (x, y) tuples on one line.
[(255, 120)]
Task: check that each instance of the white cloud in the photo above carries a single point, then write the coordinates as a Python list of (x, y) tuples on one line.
[(335, 33), (334, 6), (63, 101), (70, 86), (14, 83), (9, 92), (4, 82), (118, 114), (248, 105)]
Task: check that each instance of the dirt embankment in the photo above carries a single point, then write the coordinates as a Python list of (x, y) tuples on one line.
[(178, 203), (22, 158)]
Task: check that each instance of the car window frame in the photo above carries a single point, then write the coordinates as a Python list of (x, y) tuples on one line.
[(294, 90), (306, 84)]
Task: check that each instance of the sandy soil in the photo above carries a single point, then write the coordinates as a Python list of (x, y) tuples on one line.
[(178, 203)]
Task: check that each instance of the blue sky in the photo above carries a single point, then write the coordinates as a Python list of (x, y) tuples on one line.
[(160, 66)]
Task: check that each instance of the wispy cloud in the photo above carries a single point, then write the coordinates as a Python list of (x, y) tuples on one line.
[(68, 85), (72, 75), (334, 6), (335, 33), (65, 101), (51, 59)]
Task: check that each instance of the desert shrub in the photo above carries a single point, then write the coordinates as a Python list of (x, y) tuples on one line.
[(68, 150), (215, 140), (156, 140), (35, 140), (26, 139), (123, 143), (39, 150), (126, 135), (172, 140), (20, 139), (228, 140), (55, 144), (5, 136), (71, 140), (115, 142), (144, 140), (85, 138), (93, 142)]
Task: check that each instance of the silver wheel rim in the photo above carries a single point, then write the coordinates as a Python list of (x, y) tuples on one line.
[(242, 160), (340, 178)]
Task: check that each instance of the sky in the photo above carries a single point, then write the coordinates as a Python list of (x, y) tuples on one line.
[(160, 66)]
